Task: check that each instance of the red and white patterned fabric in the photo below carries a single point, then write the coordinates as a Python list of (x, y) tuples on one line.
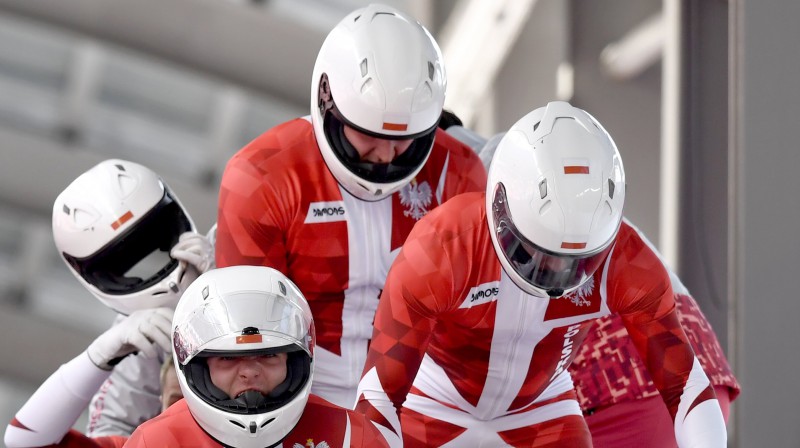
[(608, 370), (323, 424), (614, 388), (280, 206), (456, 341)]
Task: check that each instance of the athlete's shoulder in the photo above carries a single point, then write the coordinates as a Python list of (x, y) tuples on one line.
[(631, 243), (458, 159), (446, 142), (637, 275), (170, 427), (292, 139), (286, 158), (459, 212)]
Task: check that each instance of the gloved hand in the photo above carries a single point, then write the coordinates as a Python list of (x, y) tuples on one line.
[(143, 331), (194, 249)]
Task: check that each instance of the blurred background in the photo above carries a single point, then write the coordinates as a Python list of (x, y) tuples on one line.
[(700, 96)]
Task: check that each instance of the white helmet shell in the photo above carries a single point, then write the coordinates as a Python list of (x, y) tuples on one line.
[(554, 198), (380, 72), (244, 311), (114, 226)]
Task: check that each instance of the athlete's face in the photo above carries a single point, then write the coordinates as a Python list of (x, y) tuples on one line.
[(236, 375), (373, 149), (170, 389)]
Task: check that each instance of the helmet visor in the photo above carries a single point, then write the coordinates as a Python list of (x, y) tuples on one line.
[(546, 270), (243, 323), (139, 257)]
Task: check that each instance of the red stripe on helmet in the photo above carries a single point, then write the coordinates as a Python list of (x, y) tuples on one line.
[(249, 339), (395, 126), (576, 169), (122, 220)]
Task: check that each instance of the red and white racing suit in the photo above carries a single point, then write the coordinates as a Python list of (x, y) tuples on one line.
[(46, 418), (621, 404), (466, 358), (280, 206), (322, 424)]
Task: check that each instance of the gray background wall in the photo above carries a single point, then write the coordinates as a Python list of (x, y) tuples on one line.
[(765, 63)]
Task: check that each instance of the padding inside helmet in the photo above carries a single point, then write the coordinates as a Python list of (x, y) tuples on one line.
[(402, 166), (298, 373)]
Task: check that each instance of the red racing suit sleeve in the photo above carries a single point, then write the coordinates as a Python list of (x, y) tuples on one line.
[(403, 326), (640, 291)]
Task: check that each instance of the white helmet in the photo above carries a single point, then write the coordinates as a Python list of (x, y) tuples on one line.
[(380, 72), (554, 198), (114, 227), (244, 311)]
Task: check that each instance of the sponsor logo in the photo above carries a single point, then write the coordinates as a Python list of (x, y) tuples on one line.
[(416, 198), (566, 350), (481, 294), (326, 212)]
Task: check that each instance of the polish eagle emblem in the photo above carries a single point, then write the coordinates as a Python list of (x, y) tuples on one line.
[(310, 444), (416, 197), (580, 296)]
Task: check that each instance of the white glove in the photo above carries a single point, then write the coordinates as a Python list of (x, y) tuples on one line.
[(144, 331), (194, 249)]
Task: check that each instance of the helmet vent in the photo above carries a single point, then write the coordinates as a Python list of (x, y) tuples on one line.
[(366, 86), (543, 188), (611, 188), (427, 90), (282, 287), (357, 17), (120, 167), (65, 209), (253, 427), (536, 125), (267, 422), (364, 67), (237, 424), (205, 293), (82, 218), (430, 70), (126, 184), (544, 208)]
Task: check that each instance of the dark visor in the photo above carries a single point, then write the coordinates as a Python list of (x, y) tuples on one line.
[(139, 257), (544, 269), (333, 123)]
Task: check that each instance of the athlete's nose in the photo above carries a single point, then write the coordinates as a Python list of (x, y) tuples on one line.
[(248, 367), (384, 152)]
